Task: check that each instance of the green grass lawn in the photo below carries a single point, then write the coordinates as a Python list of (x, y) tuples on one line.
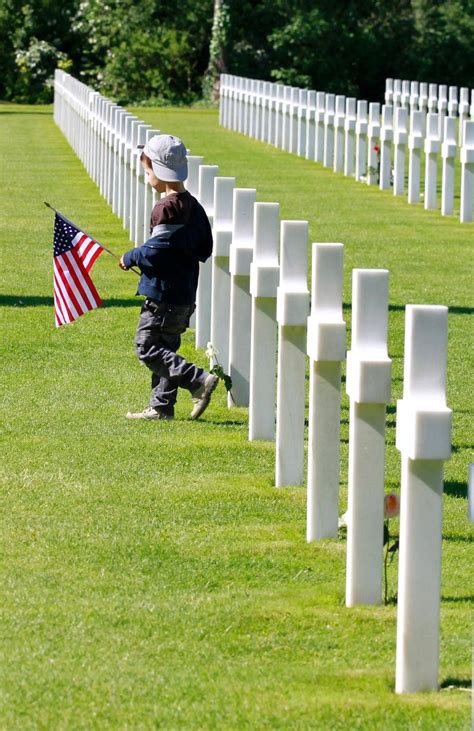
[(153, 577)]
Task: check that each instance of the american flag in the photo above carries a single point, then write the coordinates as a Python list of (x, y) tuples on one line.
[(74, 255)]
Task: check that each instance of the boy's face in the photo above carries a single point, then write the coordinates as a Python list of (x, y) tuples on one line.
[(155, 182)]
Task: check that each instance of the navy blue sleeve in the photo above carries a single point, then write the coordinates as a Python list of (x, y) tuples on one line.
[(151, 260), (133, 257), (130, 259)]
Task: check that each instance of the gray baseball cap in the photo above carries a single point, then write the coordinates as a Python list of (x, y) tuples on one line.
[(168, 158)]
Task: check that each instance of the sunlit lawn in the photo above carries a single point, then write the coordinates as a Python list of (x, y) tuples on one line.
[(153, 575)]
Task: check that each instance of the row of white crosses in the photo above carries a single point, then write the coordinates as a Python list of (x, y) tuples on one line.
[(355, 138), (106, 137), (424, 97), (259, 309)]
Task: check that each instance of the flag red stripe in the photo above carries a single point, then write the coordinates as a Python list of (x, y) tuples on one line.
[(88, 252), (92, 257), (70, 292), (80, 236), (66, 299), (75, 282), (58, 312), (58, 317), (59, 298), (85, 245), (68, 315), (86, 281), (63, 302)]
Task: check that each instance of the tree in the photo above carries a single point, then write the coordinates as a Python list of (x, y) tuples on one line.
[(145, 51), (137, 53), (217, 51), (35, 38)]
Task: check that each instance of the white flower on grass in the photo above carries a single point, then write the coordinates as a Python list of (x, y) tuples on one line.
[(211, 351), (343, 520)]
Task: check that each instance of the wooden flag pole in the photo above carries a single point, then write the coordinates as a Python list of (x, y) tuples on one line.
[(109, 251)]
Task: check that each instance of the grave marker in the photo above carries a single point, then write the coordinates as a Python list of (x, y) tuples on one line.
[(329, 131), (292, 313), (192, 181), (127, 155), (349, 141), (414, 96), (293, 111), (442, 108), (432, 148), (220, 296), (423, 437), (241, 253), (131, 173), (140, 189), (397, 92), (433, 98), (279, 117), (423, 97), (400, 142), (453, 101), (368, 386), (150, 195), (326, 347), (339, 120), (463, 111), (467, 173), (405, 98), (310, 126), (415, 144), (386, 139), (302, 109), (373, 135), (207, 173), (271, 139), (286, 126), (264, 276), (389, 91), (361, 140), (448, 153), (320, 117)]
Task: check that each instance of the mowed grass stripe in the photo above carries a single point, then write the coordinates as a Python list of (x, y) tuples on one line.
[(153, 576)]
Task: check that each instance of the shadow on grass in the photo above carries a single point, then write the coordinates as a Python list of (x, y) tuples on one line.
[(17, 111), (455, 488), (222, 422), (453, 310), (456, 683), (462, 447), (458, 599), (12, 300), (456, 538)]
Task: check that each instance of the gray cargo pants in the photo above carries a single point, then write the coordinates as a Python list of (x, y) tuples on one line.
[(157, 339)]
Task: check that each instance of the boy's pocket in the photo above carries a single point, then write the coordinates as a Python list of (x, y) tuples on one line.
[(175, 319)]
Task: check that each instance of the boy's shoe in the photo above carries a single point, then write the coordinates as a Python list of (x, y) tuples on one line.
[(202, 396), (149, 413)]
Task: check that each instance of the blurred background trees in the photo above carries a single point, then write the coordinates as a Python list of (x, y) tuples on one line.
[(156, 52)]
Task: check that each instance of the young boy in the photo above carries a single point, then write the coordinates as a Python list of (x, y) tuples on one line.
[(180, 238)]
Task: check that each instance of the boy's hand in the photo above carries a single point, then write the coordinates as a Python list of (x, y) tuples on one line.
[(122, 265)]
